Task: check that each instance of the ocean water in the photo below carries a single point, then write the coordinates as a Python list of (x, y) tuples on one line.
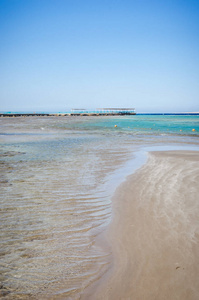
[(58, 175)]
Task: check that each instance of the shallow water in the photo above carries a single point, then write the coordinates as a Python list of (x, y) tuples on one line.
[(58, 175)]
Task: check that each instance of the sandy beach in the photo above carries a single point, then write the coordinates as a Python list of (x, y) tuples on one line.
[(154, 234)]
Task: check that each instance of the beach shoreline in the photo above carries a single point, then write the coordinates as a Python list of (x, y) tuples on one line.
[(154, 234)]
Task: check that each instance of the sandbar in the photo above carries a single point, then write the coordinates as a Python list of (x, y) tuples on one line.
[(154, 233)]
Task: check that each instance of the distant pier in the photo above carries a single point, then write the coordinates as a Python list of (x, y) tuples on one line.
[(103, 112)]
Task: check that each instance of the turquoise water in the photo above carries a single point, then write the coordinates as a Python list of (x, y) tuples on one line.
[(180, 125), (147, 124), (58, 175)]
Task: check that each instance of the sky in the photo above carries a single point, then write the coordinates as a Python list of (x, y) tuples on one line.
[(61, 54)]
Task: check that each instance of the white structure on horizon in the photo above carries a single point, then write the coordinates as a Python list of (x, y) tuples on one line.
[(104, 111)]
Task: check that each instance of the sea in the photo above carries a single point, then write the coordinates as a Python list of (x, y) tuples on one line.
[(58, 178)]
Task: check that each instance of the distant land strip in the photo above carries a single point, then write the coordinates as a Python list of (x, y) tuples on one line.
[(91, 114), (61, 114)]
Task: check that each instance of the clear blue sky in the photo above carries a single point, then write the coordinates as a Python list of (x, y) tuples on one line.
[(58, 54)]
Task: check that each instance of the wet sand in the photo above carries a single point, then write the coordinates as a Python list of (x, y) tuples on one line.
[(154, 234)]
